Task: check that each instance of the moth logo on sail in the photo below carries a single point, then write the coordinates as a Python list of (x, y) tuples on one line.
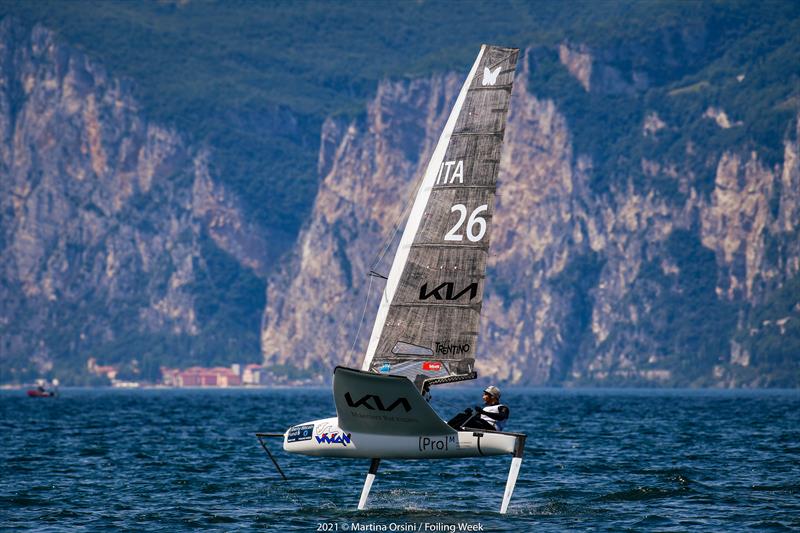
[(334, 438), (447, 291), (374, 402), (490, 76)]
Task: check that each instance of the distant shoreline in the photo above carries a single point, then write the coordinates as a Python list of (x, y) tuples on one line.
[(509, 390)]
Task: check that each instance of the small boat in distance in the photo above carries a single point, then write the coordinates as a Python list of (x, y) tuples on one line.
[(426, 328), (43, 389)]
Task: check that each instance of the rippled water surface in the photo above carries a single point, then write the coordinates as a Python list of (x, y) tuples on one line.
[(604, 460)]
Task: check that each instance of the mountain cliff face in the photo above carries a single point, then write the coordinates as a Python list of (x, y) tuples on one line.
[(646, 229), (646, 280), (109, 222), (315, 304)]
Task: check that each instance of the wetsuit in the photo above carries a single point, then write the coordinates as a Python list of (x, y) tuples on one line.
[(493, 416)]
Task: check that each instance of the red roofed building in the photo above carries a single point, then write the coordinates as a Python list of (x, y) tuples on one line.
[(197, 376), (252, 374), (227, 377), (169, 376), (101, 370)]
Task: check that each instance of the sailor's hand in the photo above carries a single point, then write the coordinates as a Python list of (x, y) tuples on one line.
[(478, 409)]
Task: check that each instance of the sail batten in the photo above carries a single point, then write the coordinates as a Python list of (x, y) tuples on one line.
[(416, 304), (444, 246), (457, 133), (434, 291), (494, 88)]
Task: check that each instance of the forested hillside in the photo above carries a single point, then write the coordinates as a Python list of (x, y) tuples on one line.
[(685, 113), (256, 80)]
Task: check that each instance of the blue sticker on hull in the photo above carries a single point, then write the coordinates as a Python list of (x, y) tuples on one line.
[(298, 433), (334, 438)]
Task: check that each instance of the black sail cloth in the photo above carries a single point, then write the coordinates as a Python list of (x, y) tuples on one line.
[(427, 325)]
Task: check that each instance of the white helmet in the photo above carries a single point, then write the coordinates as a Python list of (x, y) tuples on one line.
[(492, 391)]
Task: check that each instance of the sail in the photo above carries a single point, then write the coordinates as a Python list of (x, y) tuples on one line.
[(427, 325)]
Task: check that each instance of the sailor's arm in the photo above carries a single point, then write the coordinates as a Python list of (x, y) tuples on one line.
[(501, 414)]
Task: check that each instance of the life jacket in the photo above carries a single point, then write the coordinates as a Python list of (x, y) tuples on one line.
[(494, 409)]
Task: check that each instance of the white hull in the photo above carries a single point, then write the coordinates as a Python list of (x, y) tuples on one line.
[(324, 438)]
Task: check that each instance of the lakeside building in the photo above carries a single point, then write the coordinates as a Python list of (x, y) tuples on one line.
[(238, 374), (108, 371), (249, 375), (198, 376), (253, 374)]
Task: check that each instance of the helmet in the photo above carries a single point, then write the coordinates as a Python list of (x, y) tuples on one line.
[(493, 391)]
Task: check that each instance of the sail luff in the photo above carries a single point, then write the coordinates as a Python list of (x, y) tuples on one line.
[(415, 217)]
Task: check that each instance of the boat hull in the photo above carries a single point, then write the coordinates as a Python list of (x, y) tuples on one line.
[(324, 438), (39, 394)]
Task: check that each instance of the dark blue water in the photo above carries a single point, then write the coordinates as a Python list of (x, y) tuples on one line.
[(174, 460)]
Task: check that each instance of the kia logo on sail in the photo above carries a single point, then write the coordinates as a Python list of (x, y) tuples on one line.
[(446, 291), (376, 403)]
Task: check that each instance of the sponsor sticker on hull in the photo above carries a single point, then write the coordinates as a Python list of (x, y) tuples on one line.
[(437, 443), (327, 433), (334, 438), (374, 402), (433, 366), (298, 433)]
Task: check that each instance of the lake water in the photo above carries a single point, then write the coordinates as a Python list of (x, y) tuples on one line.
[(171, 460)]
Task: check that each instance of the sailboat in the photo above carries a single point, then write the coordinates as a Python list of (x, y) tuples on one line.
[(426, 328)]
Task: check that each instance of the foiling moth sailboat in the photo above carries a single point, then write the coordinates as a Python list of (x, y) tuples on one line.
[(427, 325)]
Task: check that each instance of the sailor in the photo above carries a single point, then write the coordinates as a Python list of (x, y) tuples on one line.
[(493, 414)]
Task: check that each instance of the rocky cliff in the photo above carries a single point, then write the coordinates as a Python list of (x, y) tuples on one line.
[(646, 230), (645, 280), (369, 165), (109, 223)]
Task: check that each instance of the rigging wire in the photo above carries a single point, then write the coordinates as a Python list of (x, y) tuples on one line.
[(390, 239), (360, 322), (403, 215), (372, 272)]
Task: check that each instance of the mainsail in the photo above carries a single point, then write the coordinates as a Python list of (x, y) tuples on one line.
[(427, 325)]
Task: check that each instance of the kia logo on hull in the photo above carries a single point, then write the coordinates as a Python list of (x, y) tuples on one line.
[(374, 402)]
